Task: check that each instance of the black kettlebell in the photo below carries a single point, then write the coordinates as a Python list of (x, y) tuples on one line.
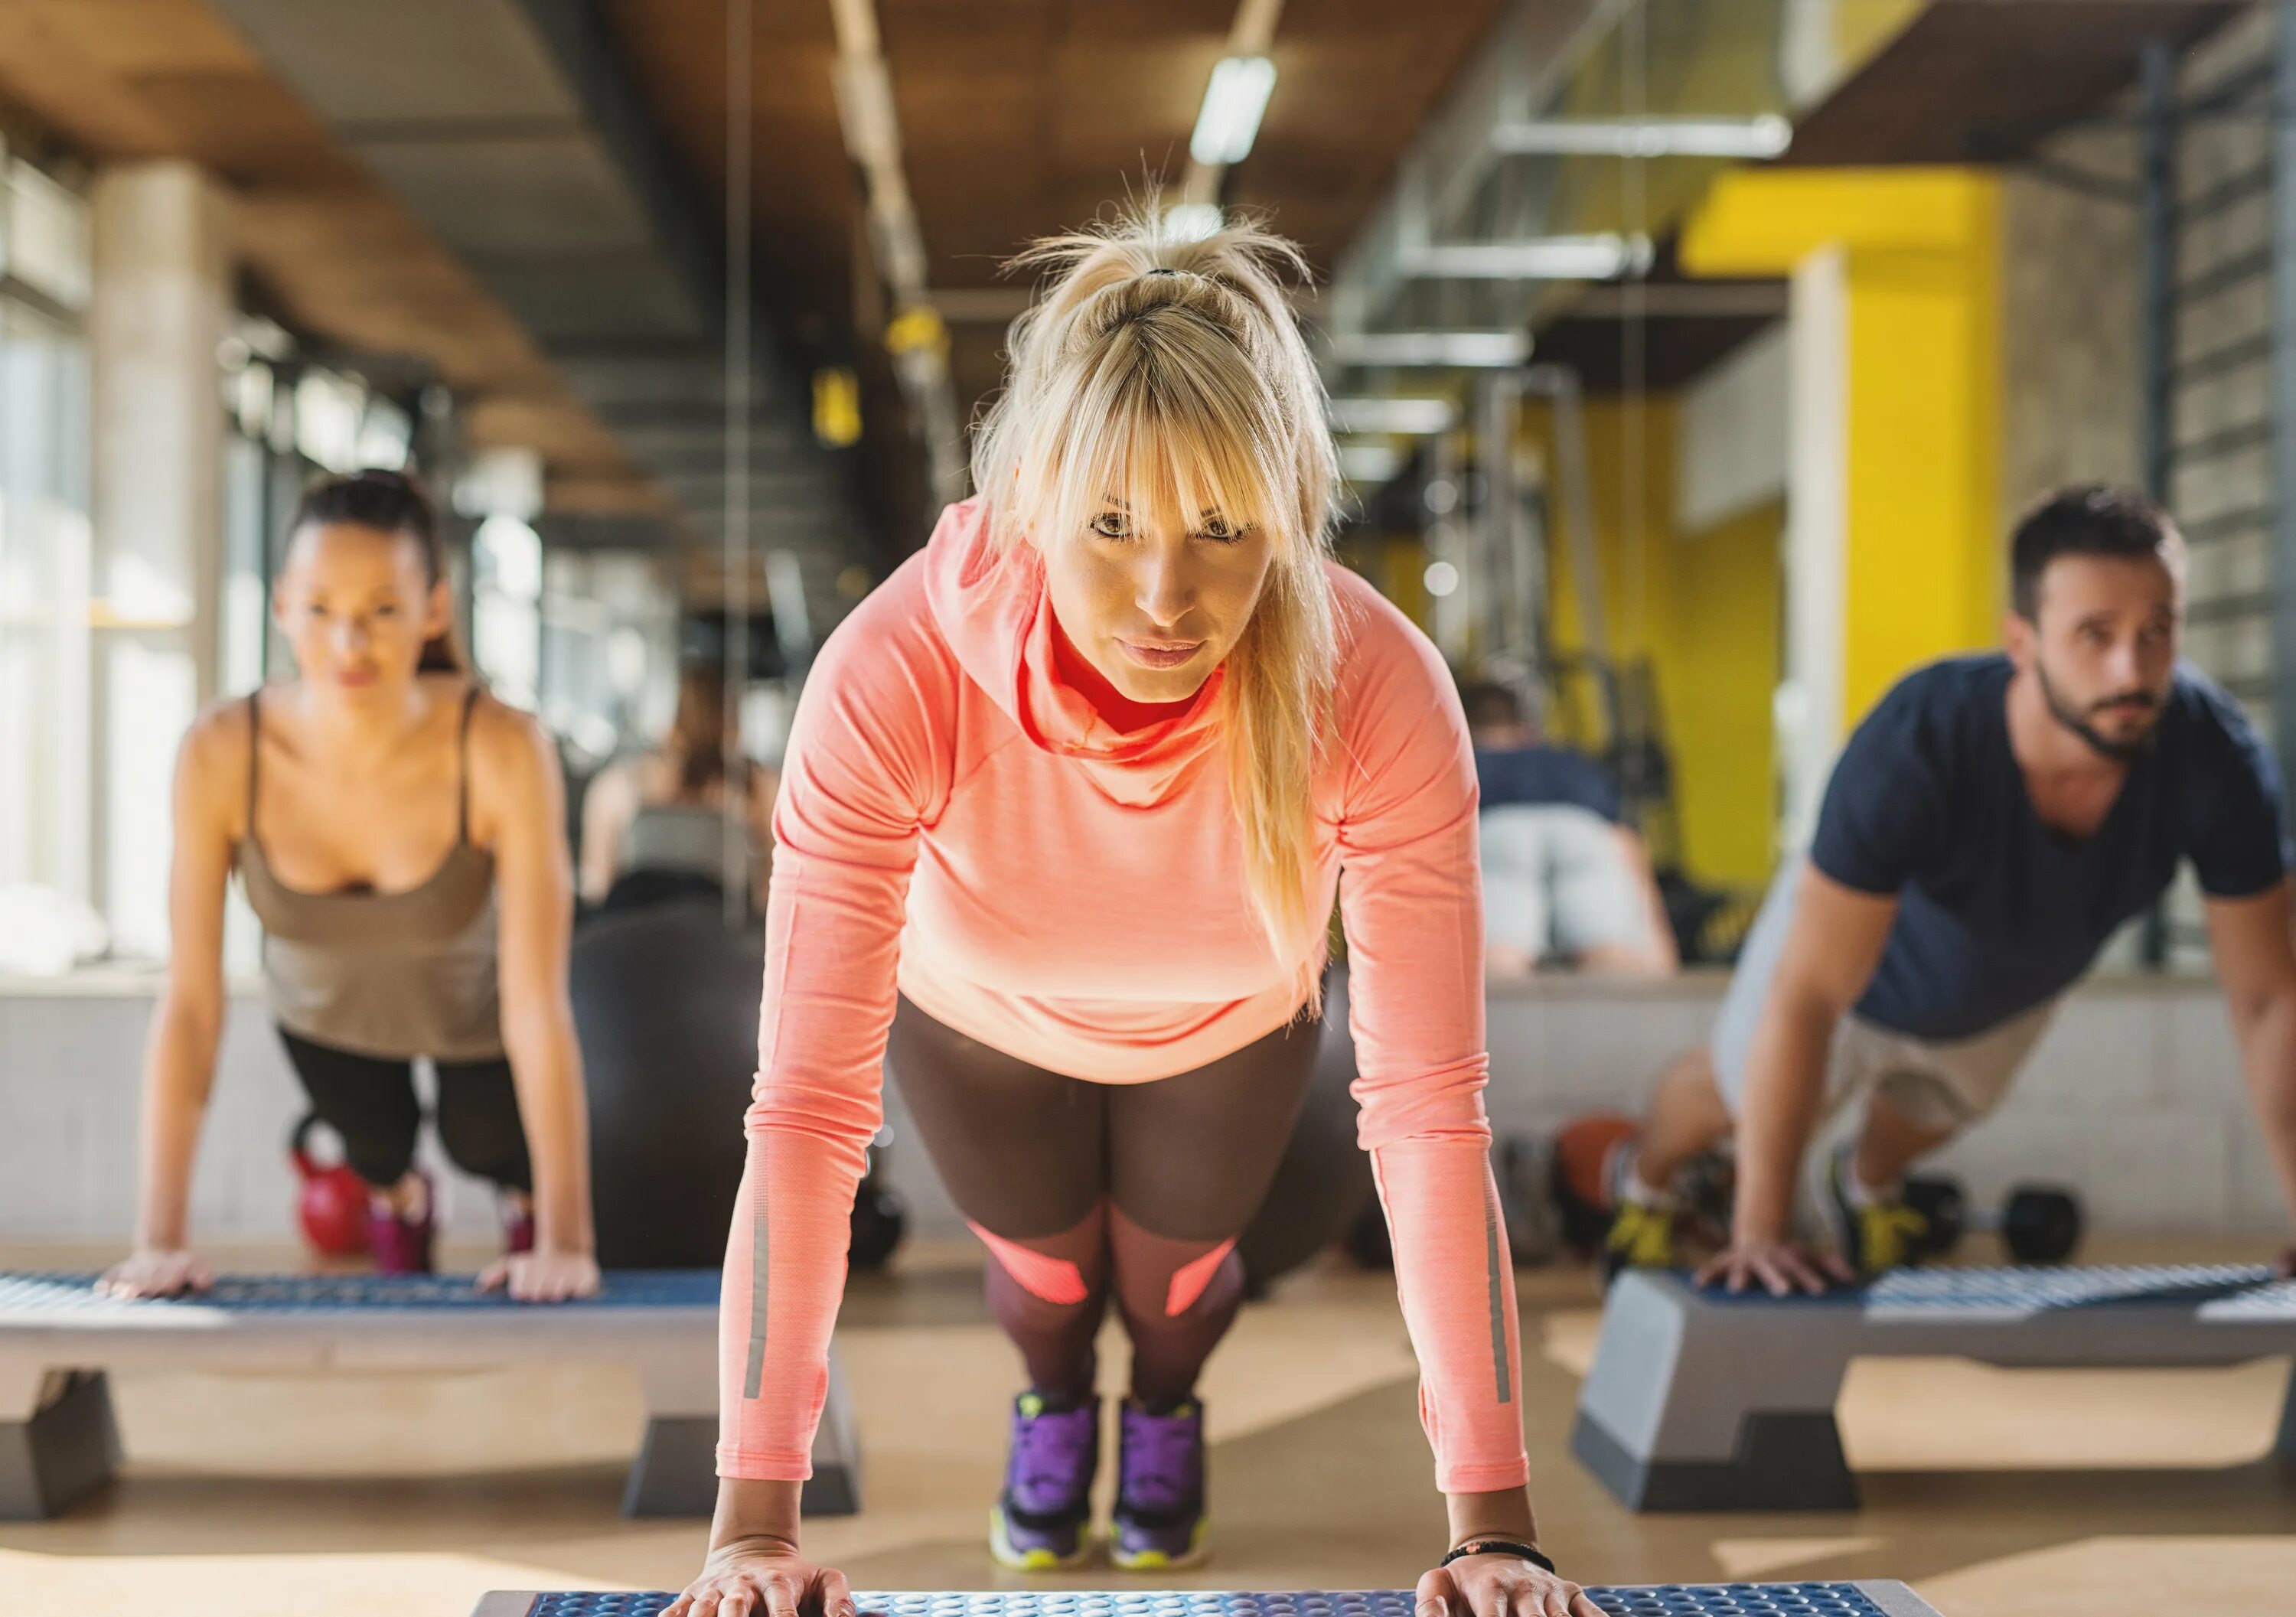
[(1368, 1240), (880, 1218)]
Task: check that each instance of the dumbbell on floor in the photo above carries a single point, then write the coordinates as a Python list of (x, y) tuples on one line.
[(2037, 1223)]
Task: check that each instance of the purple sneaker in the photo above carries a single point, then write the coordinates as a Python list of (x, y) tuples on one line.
[(1041, 1519), (1160, 1521), (401, 1246)]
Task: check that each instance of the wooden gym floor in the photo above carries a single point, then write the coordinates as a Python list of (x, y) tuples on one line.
[(1998, 1494)]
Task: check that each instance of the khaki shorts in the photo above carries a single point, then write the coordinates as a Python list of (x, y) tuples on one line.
[(1939, 1084), (1556, 882)]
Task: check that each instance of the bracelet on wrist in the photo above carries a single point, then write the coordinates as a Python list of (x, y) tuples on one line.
[(1501, 1547)]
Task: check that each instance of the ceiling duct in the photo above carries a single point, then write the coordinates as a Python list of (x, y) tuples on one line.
[(1515, 183)]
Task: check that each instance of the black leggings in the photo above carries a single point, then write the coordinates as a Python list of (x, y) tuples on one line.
[(1085, 1191), (370, 1101)]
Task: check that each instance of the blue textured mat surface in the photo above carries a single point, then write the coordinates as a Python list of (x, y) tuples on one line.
[(72, 1296), (1656, 1600), (1951, 1289), (1948, 1291)]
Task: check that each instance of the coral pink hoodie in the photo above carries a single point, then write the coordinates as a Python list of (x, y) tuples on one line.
[(956, 823)]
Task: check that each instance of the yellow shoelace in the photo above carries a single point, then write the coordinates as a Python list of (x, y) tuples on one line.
[(1644, 1236), (1888, 1230)]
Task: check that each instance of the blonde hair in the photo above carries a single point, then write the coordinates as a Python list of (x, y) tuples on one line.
[(1171, 373)]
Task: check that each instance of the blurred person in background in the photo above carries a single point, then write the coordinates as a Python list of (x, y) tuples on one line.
[(653, 826), (1565, 879)]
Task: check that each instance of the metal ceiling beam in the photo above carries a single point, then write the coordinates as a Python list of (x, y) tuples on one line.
[(1766, 136), (1434, 350), (916, 336), (1410, 417), (1529, 58), (1593, 258)]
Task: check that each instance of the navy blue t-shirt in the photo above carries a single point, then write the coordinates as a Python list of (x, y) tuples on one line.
[(1997, 912), (1546, 775)]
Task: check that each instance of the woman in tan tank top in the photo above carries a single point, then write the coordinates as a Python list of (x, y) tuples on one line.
[(398, 834)]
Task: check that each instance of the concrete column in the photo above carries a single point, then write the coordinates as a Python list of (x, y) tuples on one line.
[(1807, 713), (162, 298), (1895, 550)]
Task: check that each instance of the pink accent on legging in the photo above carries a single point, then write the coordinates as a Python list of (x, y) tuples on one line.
[(1053, 1279), (947, 803), (1189, 1280)]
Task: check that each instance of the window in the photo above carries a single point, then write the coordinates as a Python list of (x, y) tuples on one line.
[(47, 813)]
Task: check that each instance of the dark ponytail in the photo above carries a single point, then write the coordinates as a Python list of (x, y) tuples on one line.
[(699, 730), (389, 501)]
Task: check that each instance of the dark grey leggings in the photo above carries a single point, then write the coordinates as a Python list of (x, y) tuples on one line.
[(371, 1102), (1087, 1191)]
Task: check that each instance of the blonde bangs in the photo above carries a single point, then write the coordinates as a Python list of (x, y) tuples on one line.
[(1158, 440), (1169, 376)]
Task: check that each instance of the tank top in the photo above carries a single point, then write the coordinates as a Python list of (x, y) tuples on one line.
[(395, 974), (690, 840)]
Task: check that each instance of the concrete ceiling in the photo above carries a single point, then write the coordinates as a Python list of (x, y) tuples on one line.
[(1020, 118), (1986, 80), (328, 248)]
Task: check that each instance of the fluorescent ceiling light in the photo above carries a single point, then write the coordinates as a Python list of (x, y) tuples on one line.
[(1746, 138), (1234, 103), (1369, 463), (1412, 417), (1463, 349), (1191, 221), (1594, 257)]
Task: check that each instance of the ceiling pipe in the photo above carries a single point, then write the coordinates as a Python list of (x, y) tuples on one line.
[(1587, 258), (1754, 138), (1460, 350)]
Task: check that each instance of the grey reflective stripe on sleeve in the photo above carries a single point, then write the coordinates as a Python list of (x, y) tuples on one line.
[(1498, 1297), (760, 1265)]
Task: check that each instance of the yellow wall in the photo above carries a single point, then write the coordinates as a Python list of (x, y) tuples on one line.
[(1726, 628), (1704, 609), (1925, 558), (1922, 256)]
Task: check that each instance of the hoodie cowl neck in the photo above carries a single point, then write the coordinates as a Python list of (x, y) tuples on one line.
[(994, 612)]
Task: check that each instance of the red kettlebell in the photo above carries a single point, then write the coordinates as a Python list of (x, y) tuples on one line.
[(333, 1205)]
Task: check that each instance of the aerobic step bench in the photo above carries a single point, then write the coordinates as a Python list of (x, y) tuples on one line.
[(1703, 1400), (58, 1440)]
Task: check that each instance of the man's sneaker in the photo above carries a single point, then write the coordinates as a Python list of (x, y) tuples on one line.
[(1642, 1236), (1159, 1522), (1876, 1236), (401, 1244), (1040, 1520)]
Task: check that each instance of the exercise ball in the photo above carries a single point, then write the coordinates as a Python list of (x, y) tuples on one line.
[(1323, 1180), (666, 1012)]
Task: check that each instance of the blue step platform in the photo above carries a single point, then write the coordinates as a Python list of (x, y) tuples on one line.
[(1703, 1399), (1861, 1599), (58, 1338)]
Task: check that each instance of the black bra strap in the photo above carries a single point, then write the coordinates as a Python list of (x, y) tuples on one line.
[(463, 809)]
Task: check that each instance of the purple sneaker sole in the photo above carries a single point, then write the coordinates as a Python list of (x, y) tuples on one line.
[(1159, 1522), (1037, 1549), (1042, 1520), (1137, 1549)]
